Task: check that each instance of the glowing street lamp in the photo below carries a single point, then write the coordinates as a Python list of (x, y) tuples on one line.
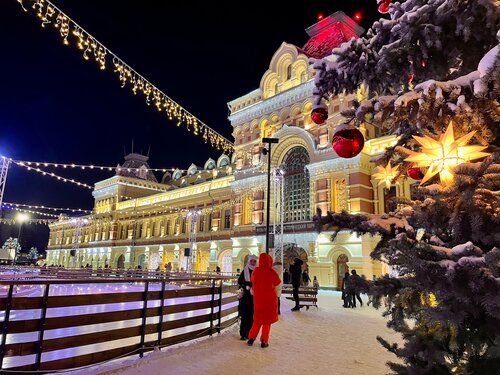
[(20, 218)]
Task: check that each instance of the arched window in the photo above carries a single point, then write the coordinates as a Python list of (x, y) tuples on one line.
[(289, 72), (296, 191)]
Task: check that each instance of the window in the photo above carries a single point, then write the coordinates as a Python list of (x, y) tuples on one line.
[(210, 222), (296, 189), (227, 219), (276, 88), (184, 225), (289, 72), (201, 225)]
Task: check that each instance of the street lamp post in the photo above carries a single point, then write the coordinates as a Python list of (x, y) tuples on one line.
[(21, 218), (267, 151)]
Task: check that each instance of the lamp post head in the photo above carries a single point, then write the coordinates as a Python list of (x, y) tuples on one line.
[(22, 218)]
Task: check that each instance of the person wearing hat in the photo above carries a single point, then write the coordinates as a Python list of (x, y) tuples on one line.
[(246, 302), (265, 311), (296, 274)]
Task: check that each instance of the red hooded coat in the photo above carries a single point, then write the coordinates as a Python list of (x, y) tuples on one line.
[(265, 299)]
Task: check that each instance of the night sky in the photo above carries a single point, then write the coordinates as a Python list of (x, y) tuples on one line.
[(57, 107)]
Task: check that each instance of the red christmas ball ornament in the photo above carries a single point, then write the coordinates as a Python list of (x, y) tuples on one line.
[(319, 114), (410, 77), (347, 141), (415, 173), (384, 6)]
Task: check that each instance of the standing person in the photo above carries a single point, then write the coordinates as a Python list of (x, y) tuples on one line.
[(286, 277), (345, 291), (168, 267), (356, 284), (315, 283), (264, 283), (278, 267), (296, 274), (246, 302), (305, 278)]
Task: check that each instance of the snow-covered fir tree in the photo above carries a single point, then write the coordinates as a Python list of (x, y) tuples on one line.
[(433, 62), (33, 253)]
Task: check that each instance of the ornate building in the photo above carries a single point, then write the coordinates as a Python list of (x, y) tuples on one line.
[(215, 215)]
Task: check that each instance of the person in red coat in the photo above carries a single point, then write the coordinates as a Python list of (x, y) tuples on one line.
[(265, 300)]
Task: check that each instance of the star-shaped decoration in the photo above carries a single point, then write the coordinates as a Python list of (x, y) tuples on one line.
[(386, 174), (443, 155)]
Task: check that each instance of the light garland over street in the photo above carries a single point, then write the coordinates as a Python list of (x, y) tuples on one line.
[(92, 49)]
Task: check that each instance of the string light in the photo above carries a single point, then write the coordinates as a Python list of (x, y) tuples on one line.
[(92, 49), (29, 211), (30, 221), (48, 208), (53, 175), (95, 167)]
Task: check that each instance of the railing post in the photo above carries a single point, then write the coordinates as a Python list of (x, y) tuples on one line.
[(5, 325), (160, 318), (212, 307), (144, 313), (220, 306), (41, 328)]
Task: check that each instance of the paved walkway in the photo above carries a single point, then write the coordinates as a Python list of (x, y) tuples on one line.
[(327, 340)]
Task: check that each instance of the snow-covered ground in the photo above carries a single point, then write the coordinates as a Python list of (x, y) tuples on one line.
[(327, 340)]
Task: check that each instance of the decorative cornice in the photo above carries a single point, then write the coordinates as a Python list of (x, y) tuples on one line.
[(286, 98)]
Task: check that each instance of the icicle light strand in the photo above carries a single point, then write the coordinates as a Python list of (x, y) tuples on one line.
[(92, 49)]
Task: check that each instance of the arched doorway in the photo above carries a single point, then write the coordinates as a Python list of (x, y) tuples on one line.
[(120, 263), (227, 262), (342, 268)]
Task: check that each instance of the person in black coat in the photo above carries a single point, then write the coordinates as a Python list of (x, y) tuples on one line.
[(346, 296), (296, 274), (246, 302), (286, 277)]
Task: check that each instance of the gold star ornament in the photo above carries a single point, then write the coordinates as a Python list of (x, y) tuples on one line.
[(386, 174), (443, 155)]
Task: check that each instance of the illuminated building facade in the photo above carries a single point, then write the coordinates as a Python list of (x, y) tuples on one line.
[(215, 215)]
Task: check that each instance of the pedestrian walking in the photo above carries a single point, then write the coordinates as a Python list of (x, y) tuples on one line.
[(296, 275), (246, 302), (265, 312)]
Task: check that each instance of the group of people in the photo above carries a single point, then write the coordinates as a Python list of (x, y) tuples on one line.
[(305, 278), (259, 304), (352, 286)]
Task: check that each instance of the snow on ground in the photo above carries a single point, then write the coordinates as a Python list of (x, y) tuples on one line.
[(327, 340)]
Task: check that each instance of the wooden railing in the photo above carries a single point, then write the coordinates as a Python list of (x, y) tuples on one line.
[(58, 324)]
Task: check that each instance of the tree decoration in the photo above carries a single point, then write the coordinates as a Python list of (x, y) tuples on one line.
[(415, 173), (443, 155), (386, 174), (94, 50), (319, 113), (347, 141), (384, 6)]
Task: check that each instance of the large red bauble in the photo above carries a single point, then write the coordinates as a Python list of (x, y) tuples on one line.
[(319, 115), (347, 141), (415, 173), (384, 6)]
